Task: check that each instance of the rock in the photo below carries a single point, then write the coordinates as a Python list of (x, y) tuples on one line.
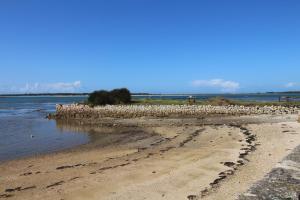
[(133, 111), (192, 197)]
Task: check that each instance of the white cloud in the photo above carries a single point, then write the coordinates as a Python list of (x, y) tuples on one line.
[(291, 84), (64, 86), (50, 87), (223, 85)]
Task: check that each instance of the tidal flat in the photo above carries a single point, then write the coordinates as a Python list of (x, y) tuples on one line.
[(156, 158)]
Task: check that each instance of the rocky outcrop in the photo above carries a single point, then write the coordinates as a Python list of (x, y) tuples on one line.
[(283, 182), (74, 111)]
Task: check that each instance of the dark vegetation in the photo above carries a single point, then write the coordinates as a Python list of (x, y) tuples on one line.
[(103, 97)]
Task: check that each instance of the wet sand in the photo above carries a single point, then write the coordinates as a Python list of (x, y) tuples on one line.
[(211, 158)]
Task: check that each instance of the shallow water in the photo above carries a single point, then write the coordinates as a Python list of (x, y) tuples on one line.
[(24, 131)]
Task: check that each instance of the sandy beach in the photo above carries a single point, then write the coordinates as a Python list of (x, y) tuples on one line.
[(157, 158)]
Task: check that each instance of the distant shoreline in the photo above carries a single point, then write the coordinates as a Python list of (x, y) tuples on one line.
[(146, 94)]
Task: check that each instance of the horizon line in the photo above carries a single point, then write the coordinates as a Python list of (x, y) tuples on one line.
[(137, 93)]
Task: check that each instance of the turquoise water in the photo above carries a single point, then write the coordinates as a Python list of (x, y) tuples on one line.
[(24, 131)]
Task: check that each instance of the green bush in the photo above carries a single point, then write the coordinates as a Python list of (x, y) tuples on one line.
[(116, 96), (121, 96), (219, 101)]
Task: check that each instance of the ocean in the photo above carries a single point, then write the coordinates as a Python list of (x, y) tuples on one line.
[(24, 130)]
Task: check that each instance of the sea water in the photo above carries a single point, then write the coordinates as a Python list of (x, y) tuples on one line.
[(24, 130)]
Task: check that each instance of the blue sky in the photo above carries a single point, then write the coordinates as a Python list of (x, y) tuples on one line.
[(167, 46)]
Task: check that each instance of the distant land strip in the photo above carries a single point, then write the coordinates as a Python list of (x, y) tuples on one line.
[(136, 94), (57, 94)]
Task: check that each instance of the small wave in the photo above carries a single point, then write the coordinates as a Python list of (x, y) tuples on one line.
[(40, 110), (16, 112), (1, 109)]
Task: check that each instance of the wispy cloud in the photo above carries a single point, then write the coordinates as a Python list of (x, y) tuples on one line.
[(223, 85), (43, 87), (291, 84)]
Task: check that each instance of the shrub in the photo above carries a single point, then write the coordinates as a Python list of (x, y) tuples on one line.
[(121, 96), (116, 96), (101, 97), (219, 101)]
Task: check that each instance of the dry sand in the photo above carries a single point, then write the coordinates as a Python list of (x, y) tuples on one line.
[(161, 159)]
